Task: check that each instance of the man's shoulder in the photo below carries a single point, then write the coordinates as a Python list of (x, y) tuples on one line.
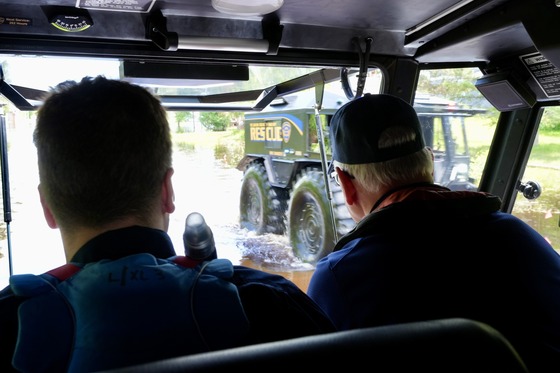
[(243, 275), (6, 293), (9, 305), (277, 307), (9, 302)]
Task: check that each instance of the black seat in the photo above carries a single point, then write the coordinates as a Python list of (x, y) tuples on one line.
[(447, 345)]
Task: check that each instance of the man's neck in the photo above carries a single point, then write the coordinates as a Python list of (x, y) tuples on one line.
[(76, 237), (384, 199)]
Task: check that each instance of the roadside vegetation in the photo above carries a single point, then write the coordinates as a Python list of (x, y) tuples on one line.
[(228, 145)]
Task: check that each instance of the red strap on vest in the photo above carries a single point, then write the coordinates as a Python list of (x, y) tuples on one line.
[(185, 261), (69, 269), (64, 271)]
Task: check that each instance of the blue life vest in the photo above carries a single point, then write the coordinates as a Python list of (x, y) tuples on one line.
[(115, 313)]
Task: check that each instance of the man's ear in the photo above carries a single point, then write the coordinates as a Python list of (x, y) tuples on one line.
[(167, 193), (347, 186), (49, 217)]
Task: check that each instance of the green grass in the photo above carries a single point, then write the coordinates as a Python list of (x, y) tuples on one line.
[(546, 149), (545, 154)]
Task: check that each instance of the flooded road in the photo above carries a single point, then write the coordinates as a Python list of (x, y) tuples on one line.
[(201, 183)]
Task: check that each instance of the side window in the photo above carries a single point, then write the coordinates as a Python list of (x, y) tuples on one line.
[(458, 124), (543, 170)]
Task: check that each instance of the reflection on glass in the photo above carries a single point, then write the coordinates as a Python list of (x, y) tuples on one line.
[(458, 124)]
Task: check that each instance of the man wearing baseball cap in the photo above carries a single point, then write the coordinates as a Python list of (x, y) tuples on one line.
[(420, 251)]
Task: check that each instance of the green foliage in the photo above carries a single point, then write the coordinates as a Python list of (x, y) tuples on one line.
[(233, 146), (453, 84), (551, 121), (180, 117), (229, 152), (214, 121), (314, 135), (546, 153), (186, 147), (228, 145)]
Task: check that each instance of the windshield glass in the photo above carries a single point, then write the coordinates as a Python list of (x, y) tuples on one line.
[(253, 173)]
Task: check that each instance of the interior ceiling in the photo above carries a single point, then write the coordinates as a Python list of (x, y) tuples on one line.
[(309, 31)]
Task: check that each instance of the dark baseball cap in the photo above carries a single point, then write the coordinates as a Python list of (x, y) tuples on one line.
[(356, 126)]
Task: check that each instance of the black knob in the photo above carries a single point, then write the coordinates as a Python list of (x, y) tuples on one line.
[(530, 190), (198, 238)]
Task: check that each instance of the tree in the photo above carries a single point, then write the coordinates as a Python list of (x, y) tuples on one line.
[(180, 117), (453, 84), (214, 121)]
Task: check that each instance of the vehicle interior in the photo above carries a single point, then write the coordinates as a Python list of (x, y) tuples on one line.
[(198, 55)]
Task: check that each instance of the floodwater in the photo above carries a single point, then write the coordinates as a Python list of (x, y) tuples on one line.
[(201, 183)]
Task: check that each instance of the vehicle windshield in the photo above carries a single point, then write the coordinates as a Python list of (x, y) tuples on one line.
[(222, 137)]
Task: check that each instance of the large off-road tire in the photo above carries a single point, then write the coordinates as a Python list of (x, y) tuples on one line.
[(311, 232), (259, 208), (344, 222)]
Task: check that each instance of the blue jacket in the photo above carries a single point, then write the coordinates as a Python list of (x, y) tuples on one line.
[(127, 299), (445, 254)]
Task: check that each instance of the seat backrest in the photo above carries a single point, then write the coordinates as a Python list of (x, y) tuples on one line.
[(446, 345)]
